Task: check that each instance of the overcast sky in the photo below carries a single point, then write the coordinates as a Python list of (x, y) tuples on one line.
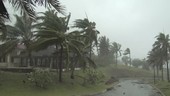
[(132, 23)]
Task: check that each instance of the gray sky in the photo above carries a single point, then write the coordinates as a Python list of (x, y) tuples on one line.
[(132, 23)]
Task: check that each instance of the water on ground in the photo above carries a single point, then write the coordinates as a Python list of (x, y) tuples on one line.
[(131, 88)]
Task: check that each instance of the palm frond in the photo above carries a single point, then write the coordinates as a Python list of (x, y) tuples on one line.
[(8, 46), (3, 12), (55, 3)]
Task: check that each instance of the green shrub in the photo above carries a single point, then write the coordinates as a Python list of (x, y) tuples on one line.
[(93, 76), (40, 77)]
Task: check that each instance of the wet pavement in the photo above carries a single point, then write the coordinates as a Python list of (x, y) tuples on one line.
[(131, 88)]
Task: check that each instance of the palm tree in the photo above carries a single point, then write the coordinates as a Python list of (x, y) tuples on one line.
[(152, 60), (116, 47), (89, 29), (21, 33), (155, 59), (53, 31), (127, 51), (27, 7), (163, 44)]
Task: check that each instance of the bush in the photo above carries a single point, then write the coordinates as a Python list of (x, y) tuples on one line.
[(40, 77), (93, 76)]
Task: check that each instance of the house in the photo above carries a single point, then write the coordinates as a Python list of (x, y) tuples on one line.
[(18, 58)]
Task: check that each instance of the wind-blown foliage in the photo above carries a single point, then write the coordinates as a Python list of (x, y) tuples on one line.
[(160, 53), (20, 33), (89, 29), (27, 7), (53, 32)]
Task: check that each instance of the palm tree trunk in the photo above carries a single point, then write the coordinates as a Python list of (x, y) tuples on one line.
[(157, 71), (154, 75), (162, 69), (73, 66), (60, 64), (130, 59), (90, 50), (116, 59), (167, 71)]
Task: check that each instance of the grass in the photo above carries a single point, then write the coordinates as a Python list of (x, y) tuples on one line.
[(164, 86), (11, 84), (122, 71)]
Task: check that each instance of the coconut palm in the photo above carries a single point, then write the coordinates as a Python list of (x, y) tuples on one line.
[(27, 7), (163, 44), (156, 61), (89, 29), (20, 33), (53, 31), (116, 47)]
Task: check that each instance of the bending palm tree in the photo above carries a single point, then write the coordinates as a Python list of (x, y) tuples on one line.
[(27, 7), (53, 31), (88, 28)]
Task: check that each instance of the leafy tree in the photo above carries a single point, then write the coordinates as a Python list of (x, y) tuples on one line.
[(137, 62)]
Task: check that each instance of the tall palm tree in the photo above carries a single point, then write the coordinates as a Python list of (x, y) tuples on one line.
[(128, 52), (53, 31), (155, 59), (89, 29), (116, 47), (21, 33), (152, 60), (163, 44)]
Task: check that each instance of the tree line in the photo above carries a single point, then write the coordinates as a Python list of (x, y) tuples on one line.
[(159, 56)]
